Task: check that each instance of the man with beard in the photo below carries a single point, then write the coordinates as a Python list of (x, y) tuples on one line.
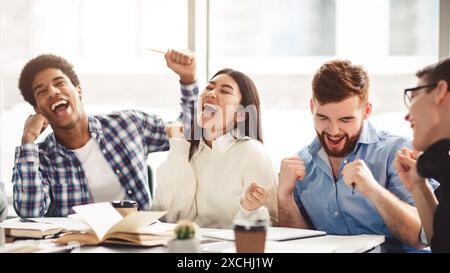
[(344, 182)]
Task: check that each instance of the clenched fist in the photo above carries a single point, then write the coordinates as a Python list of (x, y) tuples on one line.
[(174, 130), (405, 165), (358, 173), (291, 170), (34, 126), (182, 63), (255, 196)]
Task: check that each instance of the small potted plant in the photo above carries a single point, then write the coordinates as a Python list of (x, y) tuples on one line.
[(185, 240)]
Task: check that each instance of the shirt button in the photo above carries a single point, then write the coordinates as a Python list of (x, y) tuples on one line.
[(130, 192), (336, 213), (117, 171), (104, 151), (345, 161)]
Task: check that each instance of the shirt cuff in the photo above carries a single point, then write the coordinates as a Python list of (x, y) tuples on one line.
[(190, 91), (260, 213), (27, 153)]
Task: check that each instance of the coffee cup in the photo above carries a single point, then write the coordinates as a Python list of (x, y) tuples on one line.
[(250, 236), (125, 207)]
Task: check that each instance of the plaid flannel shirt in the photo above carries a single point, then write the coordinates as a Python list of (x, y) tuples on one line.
[(49, 179)]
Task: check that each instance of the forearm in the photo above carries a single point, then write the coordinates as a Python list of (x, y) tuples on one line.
[(401, 218), (289, 214), (189, 97), (31, 194), (426, 203)]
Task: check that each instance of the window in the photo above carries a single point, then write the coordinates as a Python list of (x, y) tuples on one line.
[(106, 40), (281, 43), (278, 43)]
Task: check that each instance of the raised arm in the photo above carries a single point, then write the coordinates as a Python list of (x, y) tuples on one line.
[(292, 169), (426, 202), (401, 218), (259, 199), (184, 64), (31, 189)]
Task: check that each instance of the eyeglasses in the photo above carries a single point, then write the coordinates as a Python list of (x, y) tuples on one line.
[(408, 93)]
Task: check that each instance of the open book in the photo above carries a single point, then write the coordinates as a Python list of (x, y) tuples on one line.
[(140, 228), (39, 228)]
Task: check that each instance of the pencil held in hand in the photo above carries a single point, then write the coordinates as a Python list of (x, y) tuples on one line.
[(157, 50)]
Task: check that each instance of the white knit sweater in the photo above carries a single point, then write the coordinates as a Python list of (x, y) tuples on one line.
[(207, 189)]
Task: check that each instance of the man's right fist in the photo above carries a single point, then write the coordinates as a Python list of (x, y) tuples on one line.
[(291, 170), (34, 126)]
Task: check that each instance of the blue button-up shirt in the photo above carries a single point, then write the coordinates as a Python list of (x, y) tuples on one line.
[(331, 206), (49, 179)]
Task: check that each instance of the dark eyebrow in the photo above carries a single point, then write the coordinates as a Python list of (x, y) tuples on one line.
[(227, 85), (38, 86), (346, 117), (53, 80), (224, 85), (58, 78)]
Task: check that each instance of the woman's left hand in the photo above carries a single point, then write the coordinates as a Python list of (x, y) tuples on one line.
[(255, 196)]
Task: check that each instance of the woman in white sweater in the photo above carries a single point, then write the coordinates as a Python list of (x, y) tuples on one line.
[(223, 171)]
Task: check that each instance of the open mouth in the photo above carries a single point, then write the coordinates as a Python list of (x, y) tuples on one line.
[(335, 141), (209, 108), (60, 107)]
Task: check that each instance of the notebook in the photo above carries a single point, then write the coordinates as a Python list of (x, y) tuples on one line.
[(271, 247), (273, 233)]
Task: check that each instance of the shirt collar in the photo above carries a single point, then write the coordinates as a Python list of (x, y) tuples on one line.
[(369, 135), (95, 129), (224, 142)]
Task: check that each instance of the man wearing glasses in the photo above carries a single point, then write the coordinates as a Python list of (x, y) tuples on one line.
[(429, 115)]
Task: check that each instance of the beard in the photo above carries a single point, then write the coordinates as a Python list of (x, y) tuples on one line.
[(349, 143)]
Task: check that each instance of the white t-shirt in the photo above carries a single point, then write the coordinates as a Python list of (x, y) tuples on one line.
[(104, 185)]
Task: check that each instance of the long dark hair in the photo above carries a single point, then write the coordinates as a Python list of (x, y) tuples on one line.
[(250, 97)]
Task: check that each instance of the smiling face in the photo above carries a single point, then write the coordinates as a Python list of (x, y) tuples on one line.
[(218, 105), (57, 99), (339, 125), (423, 116)]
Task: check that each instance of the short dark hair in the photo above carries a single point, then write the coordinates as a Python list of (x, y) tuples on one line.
[(436, 72), (38, 64), (338, 80)]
